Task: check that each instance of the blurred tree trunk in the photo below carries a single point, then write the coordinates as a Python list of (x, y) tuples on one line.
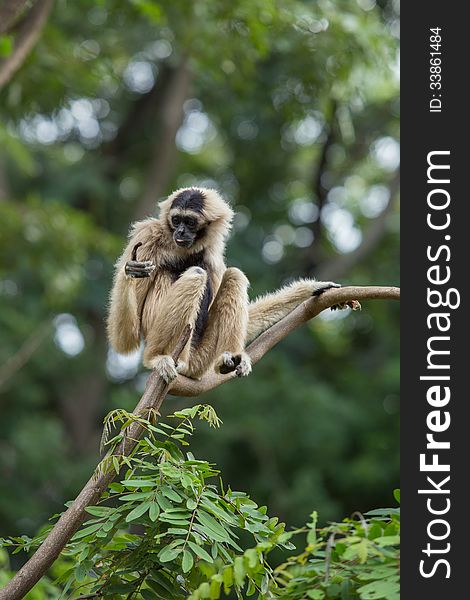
[(27, 33), (4, 187), (319, 191), (9, 11), (81, 404), (340, 265), (163, 158)]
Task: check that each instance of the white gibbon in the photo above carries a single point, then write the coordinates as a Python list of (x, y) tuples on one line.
[(180, 278)]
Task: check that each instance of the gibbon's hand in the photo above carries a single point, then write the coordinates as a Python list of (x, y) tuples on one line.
[(138, 269)]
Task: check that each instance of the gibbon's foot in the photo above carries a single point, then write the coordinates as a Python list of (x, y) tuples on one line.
[(165, 367), (321, 286), (228, 362), (137, 269), (244, 367), (352, 304), (240, 363)]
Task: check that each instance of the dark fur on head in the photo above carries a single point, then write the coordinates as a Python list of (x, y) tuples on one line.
[(189, 199), (197, 218)]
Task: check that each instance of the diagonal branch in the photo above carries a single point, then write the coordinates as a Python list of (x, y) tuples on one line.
[(152, 398), (27, 34), (9, 12)]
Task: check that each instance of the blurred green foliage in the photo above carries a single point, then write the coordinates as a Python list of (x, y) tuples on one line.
[(292, 108)]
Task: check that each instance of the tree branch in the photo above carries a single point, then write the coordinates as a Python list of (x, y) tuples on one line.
[(152, 398), (28, 32), (9, 12)]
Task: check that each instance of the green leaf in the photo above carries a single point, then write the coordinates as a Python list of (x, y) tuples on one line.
[(265, 583), (214, 527), (99, 511), (116, 487), (177, 531), (179, 522), (362, 549), (375, 531), (178, 513), (6, 45), (253, 557), (239, 571), (87, 531), (80, 572), (333, 590), (387, 540), (227, 577), (169, 554), (154, 511), (378, 589), (215, 586), (188, 561), (109, 525), (158, 579), (312, 532), (171, 494), (379, 573), (199, 551), (138, 511), (251, 588), (163, 502), (117, 466), (382, 512), (135, 496), (138, 483), (316, 594), (204, 590), (219, 512), (396, 495), (151, 595), (284, 537)]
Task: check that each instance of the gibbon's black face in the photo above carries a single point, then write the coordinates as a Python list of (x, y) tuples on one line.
[(186, 219), (185, 229)]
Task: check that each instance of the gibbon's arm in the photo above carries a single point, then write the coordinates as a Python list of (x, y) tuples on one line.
[(123, 321), (271, 308)]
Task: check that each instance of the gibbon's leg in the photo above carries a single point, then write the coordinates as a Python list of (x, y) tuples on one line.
[(271, 308), (179, 308), (225, 334)]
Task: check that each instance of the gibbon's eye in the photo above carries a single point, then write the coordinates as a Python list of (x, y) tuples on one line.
[(191, 223), (175, 221)]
